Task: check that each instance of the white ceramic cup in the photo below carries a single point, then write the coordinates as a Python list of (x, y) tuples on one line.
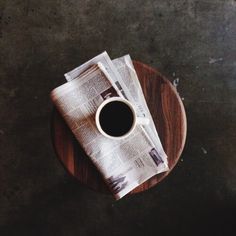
[(136, 120)]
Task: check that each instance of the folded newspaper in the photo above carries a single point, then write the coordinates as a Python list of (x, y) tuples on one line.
[(126, 163)]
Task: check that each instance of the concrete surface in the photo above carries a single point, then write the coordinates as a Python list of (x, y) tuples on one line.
[(190, 40)]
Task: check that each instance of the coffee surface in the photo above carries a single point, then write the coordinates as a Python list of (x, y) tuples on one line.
[(116, 118)]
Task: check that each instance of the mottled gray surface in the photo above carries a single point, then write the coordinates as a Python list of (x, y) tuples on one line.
[(194, 41)]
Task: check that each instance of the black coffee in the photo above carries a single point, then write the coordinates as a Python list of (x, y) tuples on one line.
[(116, 118)]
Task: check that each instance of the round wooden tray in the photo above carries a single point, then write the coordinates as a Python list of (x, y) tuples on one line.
[(169, 117)]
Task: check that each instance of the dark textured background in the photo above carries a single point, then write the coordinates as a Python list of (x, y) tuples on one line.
[(192, 40)]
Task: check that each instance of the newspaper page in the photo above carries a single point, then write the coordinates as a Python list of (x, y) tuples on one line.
[(114, 76), (124, 66), (124, 164)]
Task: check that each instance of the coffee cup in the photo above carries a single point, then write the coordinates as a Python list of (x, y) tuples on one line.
[(116, 118)]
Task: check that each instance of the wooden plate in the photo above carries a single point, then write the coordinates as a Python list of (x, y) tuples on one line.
[(169, 117)]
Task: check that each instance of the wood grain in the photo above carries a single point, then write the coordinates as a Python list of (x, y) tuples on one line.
[(169, 117)]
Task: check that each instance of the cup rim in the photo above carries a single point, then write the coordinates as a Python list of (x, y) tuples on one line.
[(108, 100)]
